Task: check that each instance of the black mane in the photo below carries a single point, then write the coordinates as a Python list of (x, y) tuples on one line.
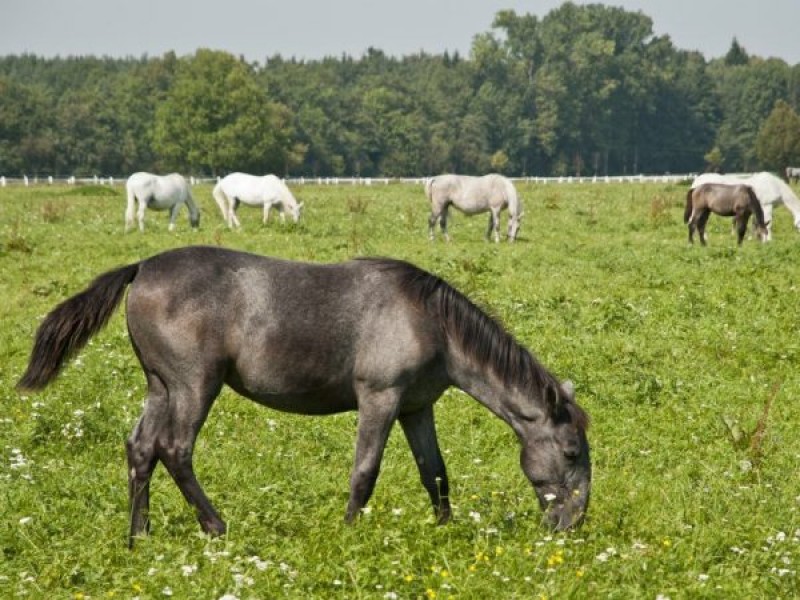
[(477, 334)]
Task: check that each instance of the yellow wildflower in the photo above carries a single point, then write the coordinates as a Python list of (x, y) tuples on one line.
[(555, 559), (430, 593)]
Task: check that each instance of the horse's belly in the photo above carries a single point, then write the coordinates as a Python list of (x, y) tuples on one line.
[(321, 401), (158, 204)]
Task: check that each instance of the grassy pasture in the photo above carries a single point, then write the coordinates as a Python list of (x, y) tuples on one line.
[(685, 358)]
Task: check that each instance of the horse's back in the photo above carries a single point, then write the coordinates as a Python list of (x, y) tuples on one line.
[(278, 331), (725, 199), (169, 188), (247, 188), (472, 194)]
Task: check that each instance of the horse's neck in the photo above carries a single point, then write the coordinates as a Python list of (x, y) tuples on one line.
[(790, 199), (190, 204), (484, 387), (285, 196)]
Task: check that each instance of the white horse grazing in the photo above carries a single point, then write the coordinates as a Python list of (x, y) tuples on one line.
[(771, 191), (266, 191), (159, 192), (473, 195)]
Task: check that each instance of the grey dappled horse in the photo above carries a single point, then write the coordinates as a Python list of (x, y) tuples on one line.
[(473, 195), (378, 336), (737, 201)]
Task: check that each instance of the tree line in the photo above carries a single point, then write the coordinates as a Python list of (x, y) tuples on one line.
[(583, 90)]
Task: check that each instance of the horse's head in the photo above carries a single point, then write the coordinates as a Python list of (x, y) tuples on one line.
[(514, 223), (555, 457), (762, 231), (295, 211)]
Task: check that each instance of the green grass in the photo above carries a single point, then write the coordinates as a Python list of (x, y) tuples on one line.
[(675, 351)]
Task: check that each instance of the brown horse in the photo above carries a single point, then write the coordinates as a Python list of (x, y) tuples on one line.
[(737, 201)]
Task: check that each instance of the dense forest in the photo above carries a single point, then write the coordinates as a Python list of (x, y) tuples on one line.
[(584, 90)]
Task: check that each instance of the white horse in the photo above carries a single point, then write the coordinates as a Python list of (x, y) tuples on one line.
[(159, 192), (793, 174), (771, 191), (473, 195), (266, 191)]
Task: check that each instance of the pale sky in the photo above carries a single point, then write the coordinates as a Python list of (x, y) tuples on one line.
[(316, 28)]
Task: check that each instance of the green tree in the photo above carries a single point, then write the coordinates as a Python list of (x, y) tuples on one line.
[(736, 55), (778, 141), (27, 141), (216, 118)]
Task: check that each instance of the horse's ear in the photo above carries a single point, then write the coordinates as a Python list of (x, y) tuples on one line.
[(301, 204), (553, 397), (569, 389)]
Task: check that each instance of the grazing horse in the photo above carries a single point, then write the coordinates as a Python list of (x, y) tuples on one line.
[(737, 201), (159, 192), (770, 190), (377, 336), (473, 195), (792, 174), (266, 191)]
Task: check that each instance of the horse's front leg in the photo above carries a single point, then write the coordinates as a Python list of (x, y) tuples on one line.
[(267, 207), (420, 432), (173, 215), (140, 214), (376, 414), (494, 226), (741, 227)]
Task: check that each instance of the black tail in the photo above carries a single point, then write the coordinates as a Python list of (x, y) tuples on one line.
[(755, 206), (70, 325), (687, 212)]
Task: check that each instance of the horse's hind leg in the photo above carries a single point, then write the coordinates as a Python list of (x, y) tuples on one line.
[(188, 409), (490, 227), (701, 226), (443, 223), (142, 457), (432, 225), (420, 432)]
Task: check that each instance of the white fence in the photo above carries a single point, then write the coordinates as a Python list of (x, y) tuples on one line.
[(111, 181)]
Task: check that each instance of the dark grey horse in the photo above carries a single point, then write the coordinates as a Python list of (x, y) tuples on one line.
[(378, 336)]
